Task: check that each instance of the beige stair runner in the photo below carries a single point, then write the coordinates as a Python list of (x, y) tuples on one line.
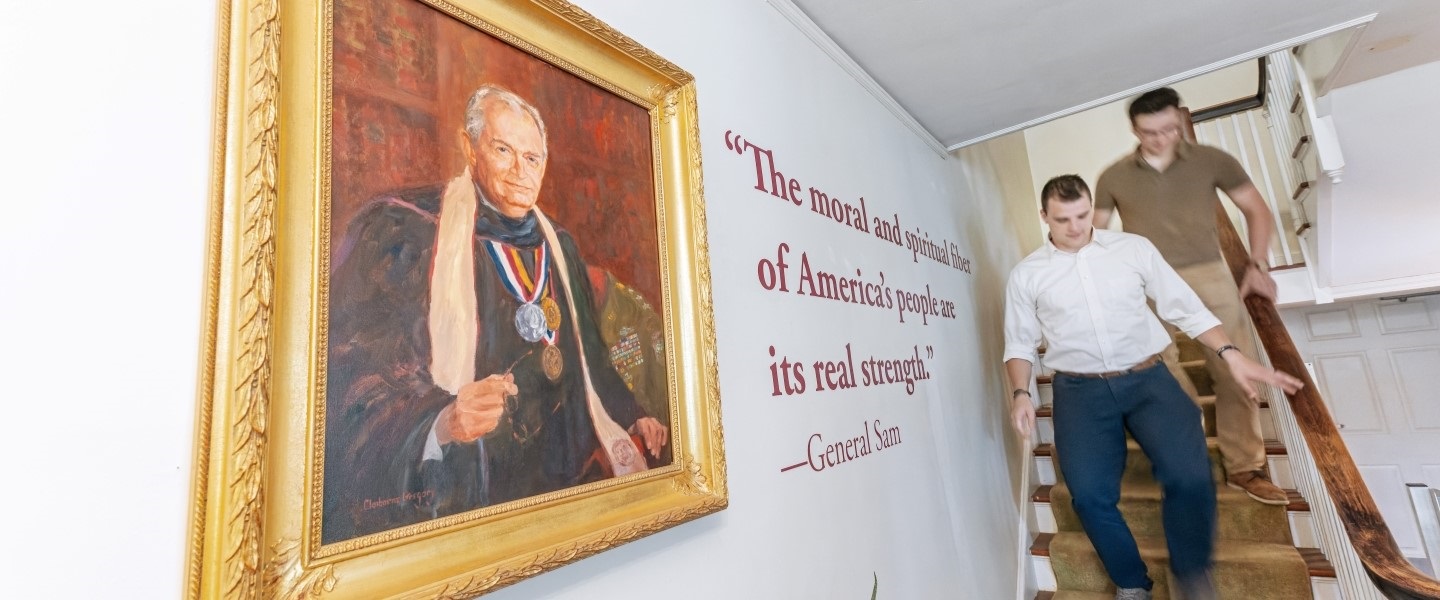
[(1254, 557)]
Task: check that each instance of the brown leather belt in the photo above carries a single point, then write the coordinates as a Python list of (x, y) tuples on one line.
[(1141, 366)]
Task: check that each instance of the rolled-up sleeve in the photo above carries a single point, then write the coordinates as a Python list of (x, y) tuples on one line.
[(1022, 325), (1174, 300)]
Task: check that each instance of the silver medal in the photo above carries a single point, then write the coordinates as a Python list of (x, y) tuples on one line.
[(530, 322)]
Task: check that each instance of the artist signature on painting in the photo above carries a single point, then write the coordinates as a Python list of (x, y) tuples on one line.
[(420, 497)]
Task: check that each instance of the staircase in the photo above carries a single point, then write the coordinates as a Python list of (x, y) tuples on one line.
[(1291, 153), (1262, 552)]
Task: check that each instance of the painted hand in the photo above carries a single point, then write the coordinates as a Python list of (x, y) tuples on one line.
[(477, 409), (654, 434)]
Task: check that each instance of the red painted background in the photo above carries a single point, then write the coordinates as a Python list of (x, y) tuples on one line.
[(403, 72)]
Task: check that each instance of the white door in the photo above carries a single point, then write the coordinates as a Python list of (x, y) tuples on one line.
[(1377, 363)]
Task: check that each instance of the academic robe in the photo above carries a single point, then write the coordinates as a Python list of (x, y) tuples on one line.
[(381, 402)]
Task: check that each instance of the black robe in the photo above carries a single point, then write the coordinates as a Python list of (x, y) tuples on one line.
[(381, 402)]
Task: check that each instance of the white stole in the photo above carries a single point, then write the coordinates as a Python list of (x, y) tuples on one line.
[(624, 457), (454, 315)]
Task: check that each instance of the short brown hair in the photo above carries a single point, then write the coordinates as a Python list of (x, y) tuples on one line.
[(1066, 188), (1154, 101)]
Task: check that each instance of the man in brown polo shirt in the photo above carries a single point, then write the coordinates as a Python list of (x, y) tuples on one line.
[(1166, 192)]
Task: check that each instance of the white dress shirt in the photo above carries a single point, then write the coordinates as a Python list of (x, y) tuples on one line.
[(1089, 306)]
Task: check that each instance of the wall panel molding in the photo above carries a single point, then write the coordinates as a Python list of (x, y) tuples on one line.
[(1417, 381), (1332, 324), (1404, 317), (1348, 387)]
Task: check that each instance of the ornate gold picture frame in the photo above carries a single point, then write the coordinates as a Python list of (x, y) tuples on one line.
[(388, 173)]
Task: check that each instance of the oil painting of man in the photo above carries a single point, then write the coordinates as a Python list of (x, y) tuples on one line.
[(474, 357)]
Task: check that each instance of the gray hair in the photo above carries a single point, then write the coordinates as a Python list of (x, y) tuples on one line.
[(475, 110)]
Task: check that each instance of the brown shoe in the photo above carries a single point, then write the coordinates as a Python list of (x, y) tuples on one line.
[(1258, 487)]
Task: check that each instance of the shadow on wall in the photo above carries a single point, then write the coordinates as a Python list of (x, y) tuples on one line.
[(1001, 231)]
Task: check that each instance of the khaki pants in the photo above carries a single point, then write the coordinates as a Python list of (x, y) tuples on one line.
[(1237, 419)]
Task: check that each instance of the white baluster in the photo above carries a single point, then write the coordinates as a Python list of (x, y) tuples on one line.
[(1270, 200), (1245, 160), (1354, 582)]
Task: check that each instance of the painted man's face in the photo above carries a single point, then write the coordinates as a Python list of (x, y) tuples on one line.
[(508, 159)]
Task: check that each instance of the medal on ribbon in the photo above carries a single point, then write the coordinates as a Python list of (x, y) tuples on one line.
[(552, 362), (552, 312), (538, 316), (530, 322)]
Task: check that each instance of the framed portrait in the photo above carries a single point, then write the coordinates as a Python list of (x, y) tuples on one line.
[(458, 326)]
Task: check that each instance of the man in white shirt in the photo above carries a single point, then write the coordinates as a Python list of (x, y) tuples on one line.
[(1084, 294)]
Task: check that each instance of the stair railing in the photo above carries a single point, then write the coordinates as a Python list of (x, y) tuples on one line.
[(1248, 139), (1426, 501), (1266, 144), (1312, 146), (1353, 534), (1322, 128)]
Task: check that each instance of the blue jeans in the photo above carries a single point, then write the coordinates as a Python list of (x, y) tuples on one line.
[(1090, 418)]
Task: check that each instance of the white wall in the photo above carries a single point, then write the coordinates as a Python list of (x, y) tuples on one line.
[(1380, 221), (105, 154), (1083, 143), (1001, 233), (102, 249), (1320, 57), (927, 519)]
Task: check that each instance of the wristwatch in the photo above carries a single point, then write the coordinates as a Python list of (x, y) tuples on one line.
[(1016, 394)]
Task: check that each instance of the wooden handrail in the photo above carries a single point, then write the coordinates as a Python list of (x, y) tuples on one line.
[(1391, 572), (1238, 105), (1387, 567)]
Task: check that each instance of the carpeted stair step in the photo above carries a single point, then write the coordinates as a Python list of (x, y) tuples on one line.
[(1137, 466), (1199, 375), (1190, 349), (1250, 570), (1254, 558), (1139, 469), (1083, 596), (1069, 595), (1207, 408), (1239, 518), (1319, 565)]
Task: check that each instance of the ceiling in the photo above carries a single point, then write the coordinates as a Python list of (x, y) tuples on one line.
[(966, 70)]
